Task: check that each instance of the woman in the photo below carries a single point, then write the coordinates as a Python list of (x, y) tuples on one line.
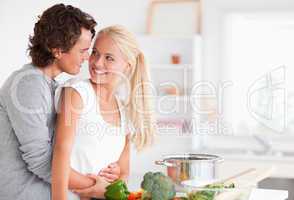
[(93, 126)]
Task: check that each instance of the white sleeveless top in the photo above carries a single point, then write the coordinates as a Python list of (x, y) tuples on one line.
[(97, 143)]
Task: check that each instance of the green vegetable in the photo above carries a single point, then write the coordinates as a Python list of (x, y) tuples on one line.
[(117, 191), (157, 186), (210, 193)]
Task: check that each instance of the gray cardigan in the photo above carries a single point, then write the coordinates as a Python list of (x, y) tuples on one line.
[(27, 119)]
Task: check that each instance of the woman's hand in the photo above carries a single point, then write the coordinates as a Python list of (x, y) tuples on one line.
[(85, 198), (96, 191), (111, 173)]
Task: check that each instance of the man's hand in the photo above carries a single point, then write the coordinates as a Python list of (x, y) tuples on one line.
[(111, 173), (96, 191)]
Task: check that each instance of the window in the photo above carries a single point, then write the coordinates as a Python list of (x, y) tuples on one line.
[(259, 60)]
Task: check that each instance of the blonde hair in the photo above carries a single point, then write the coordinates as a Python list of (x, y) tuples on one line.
[(140, 111)]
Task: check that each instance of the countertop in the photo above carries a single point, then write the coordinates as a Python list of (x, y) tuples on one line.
[(257, 194), (260, 194)]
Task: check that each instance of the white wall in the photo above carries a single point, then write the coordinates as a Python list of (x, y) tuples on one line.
[(130, 13), (17, 19)]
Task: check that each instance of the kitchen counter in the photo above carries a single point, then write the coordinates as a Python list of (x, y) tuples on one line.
[(257, 194), (144, 161)]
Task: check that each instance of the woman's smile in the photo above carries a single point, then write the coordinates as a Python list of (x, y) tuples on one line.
[(100, 72)]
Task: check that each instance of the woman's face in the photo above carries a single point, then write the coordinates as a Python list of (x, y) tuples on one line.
[(107, 64)]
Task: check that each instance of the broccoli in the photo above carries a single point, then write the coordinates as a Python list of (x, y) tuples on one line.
[(157, 186)]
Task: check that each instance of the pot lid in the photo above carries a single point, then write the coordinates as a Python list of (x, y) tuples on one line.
[(191, 157)]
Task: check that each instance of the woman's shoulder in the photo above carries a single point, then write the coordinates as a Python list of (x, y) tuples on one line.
[(76, 82), (80, 86)]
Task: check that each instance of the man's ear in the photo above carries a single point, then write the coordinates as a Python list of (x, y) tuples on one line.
[(56, 53)]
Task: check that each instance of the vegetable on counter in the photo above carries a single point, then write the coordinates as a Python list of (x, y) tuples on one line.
[(157, 186), (117, 191), (209, 193), (135, 195)]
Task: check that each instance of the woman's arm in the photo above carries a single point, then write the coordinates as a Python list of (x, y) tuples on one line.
[(79, 181), (124, 160), (119, 169), (108, 174), (63, 177)]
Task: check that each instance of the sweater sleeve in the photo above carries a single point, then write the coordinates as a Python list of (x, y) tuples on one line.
[(28, 107)]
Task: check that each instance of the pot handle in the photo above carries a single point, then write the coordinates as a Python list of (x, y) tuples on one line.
[(162, 162), (220, 160)]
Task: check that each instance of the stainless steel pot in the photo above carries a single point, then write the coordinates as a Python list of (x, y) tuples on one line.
[(183, 167)]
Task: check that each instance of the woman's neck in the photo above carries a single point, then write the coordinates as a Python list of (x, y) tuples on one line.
[(104, 91)]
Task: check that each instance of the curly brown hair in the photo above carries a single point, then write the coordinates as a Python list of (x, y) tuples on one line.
[(58, 27)]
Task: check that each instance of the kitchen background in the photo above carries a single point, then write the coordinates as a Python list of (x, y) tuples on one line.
[(223, 87)]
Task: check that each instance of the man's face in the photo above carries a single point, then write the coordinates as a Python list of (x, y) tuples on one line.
[(71, 61)]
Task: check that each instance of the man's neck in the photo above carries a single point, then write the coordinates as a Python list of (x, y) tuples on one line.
[(51, 70)]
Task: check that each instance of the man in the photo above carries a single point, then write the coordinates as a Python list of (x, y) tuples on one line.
[(61, 40)]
